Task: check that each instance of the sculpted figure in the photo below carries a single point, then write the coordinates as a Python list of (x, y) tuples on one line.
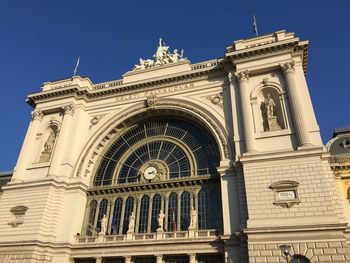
[(131, 223), (50, 142), (175, 57), (103, 224), (161, 217), (161, 55), (193, 222), (269, 106)]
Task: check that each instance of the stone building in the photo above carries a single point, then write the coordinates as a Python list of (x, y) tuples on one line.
[(218, 161)]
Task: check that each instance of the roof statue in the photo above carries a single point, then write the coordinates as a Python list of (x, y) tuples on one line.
[(161, 57)]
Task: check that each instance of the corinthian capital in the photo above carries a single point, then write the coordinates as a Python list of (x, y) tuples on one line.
[(37, 115), (288, 66), (69, 109), (243, 75)]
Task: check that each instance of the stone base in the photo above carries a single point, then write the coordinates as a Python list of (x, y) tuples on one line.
[(273, 124)]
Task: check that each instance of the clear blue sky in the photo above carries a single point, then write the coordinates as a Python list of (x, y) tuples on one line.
[(41, 40)]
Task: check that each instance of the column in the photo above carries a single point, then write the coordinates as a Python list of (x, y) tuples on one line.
[(127, 259), (109, 215), (62, 146), (192, 258), (248, 128), (28, 145), (98, 260), (178, 221), (159, 258), (137, 214), (121, 226), (149, 220), (296, 103)]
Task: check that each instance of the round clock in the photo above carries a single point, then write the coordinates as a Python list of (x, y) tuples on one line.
[(150, 173)]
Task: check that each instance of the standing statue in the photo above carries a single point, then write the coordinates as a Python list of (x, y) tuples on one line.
[(175, 57), (161, 217), (103, 225), (193, 222), (131, 223), (48, 146), (269, 106), (161, 55)]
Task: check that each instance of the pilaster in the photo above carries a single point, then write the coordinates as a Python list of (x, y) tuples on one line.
[(27, 148), (247, 123)]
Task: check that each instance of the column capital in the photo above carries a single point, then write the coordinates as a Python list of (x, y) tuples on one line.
[(242, 75), (288, 66), (69, 109), (37, 115), (231, 75)]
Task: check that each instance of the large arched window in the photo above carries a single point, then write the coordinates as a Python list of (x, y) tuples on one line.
[(143, 223), (156, 207), (129, 208), (156, 158), (117, 216), (299, 259), (172, 212), (185, 210)]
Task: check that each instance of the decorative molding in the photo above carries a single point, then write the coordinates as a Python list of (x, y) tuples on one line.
[(288, 66), (37, 115), (18, 213), (69, 109), (243, 75)]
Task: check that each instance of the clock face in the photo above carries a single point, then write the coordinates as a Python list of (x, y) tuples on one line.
[(150, 173)]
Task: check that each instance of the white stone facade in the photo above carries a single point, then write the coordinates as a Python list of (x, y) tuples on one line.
[(249, 171)]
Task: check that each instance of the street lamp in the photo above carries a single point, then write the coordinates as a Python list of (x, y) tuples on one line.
[(285, 250)]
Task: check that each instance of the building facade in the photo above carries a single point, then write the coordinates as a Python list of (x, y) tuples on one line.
[(218, 161)]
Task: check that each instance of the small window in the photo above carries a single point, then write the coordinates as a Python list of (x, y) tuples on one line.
[(286, 193), (18, 215)]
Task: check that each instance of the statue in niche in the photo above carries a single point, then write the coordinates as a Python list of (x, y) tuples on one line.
[(269, 114), (194, 216), (48, 147), (103, 225), (131, 225), (161, 217)]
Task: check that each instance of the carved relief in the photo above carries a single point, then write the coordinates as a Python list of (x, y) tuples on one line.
[(151, 101), (216, 100), (37, 115), (243, 75), (69, 109), (288, 67), (96, 119)]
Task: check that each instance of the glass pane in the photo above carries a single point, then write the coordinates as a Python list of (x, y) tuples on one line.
[(156, 204), (185, 210), (172, 212), (129, 207), (116, 216), (143, 223)]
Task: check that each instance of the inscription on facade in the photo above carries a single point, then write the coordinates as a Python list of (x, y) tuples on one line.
[(149, 93)]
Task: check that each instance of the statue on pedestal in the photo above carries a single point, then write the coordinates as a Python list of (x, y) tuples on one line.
[(160, 219), (194, 216), (131, 225), (48, 147), (269, 113), (103, 225)]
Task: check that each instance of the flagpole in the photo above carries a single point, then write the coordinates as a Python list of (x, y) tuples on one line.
[(255, 26), (76, 67)]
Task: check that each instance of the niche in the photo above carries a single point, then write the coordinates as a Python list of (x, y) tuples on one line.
[(271, 111), (48, 143)]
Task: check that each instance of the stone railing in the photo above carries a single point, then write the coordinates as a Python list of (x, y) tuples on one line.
[(203, 65), (208, 233), (108, 84)]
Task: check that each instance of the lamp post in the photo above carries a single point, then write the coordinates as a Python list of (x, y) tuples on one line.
[(285, 250)]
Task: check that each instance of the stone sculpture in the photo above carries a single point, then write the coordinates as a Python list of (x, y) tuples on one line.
[(103, 225), (48, 147), (194, 216), (131, 225), (162, 57), (269, 113), (161, 217)]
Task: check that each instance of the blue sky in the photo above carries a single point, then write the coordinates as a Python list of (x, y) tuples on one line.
[(41, 40)]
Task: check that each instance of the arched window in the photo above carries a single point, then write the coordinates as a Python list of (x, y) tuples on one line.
[(102, 211), (129, 208), (299, 259), (202, 209), (144, 210), (91, 219), (185, 210), (172, 212), (156, 205), (118, 204)]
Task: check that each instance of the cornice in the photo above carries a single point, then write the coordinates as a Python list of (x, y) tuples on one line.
[(199, 71)]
